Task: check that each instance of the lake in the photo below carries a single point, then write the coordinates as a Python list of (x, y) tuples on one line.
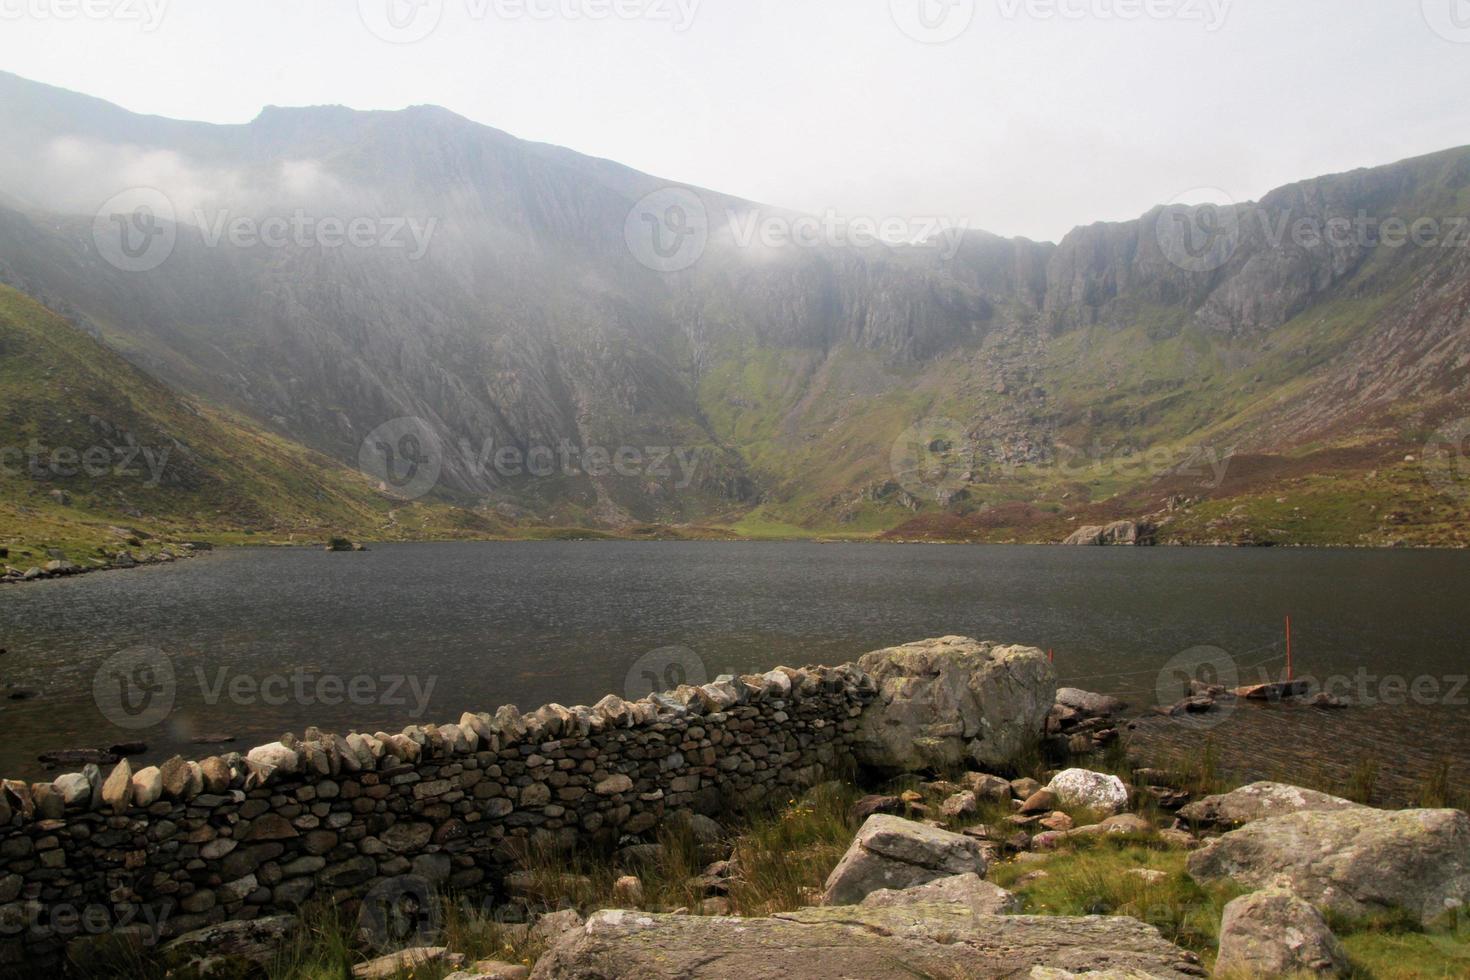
[(254, 642)]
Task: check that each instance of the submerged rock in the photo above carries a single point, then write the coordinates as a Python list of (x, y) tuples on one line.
[(1257, 802)]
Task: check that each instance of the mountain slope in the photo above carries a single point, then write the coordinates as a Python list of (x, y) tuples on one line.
[(89, 442), (526, 316)]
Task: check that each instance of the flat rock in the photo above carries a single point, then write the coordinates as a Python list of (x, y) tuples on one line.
[(1273, 933), (857, 943), (893, 853), (1354, 862), (404, 961), (1257, 802), (969, 890)]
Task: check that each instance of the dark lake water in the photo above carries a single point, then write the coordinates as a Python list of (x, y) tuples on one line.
[(252, 643)]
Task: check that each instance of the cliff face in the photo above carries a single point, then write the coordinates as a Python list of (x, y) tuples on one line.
[(515, 313)]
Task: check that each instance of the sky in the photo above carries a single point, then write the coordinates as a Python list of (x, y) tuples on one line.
[(1021, 117)]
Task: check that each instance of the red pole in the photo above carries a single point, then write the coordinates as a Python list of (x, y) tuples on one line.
[(1290, 672), (1051, 656)]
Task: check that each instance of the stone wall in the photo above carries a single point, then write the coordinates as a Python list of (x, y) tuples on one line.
[(189, 844)]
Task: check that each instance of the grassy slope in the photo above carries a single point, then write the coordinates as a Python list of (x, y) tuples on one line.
[(222, 480)]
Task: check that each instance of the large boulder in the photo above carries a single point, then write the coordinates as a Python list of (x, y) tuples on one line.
[(1259, 801), (1088, 790), (1116, 533), (857, 943), (893, 853), (945, 702), (1273, 933), (1354, 862), (969, 890)]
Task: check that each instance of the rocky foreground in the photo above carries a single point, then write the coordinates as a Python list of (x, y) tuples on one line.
[(915, 893)]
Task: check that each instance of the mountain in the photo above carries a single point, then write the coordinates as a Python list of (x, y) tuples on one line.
[(510, 297)]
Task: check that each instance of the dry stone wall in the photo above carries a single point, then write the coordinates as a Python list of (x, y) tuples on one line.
[(171, 849)]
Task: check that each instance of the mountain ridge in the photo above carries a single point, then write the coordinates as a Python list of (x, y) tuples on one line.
[(793, 371)]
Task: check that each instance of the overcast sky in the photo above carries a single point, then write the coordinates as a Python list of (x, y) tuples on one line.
[(1024, 117)]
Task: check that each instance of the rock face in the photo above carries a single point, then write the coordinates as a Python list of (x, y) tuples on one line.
[(969, 890), (1354, 862), (1275, 934), (1089, 790), (943, 702), (1118, 532), (857, 943), (1257, 802), (893, 853)]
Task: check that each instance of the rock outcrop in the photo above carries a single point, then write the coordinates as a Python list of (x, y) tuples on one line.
[(944, 702), (1259, 801), (1273, 933), (892, 853), (1116, 533), (857, 943), (1352, 862)]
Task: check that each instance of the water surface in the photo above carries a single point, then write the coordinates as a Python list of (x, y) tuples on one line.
[(265, 641)]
